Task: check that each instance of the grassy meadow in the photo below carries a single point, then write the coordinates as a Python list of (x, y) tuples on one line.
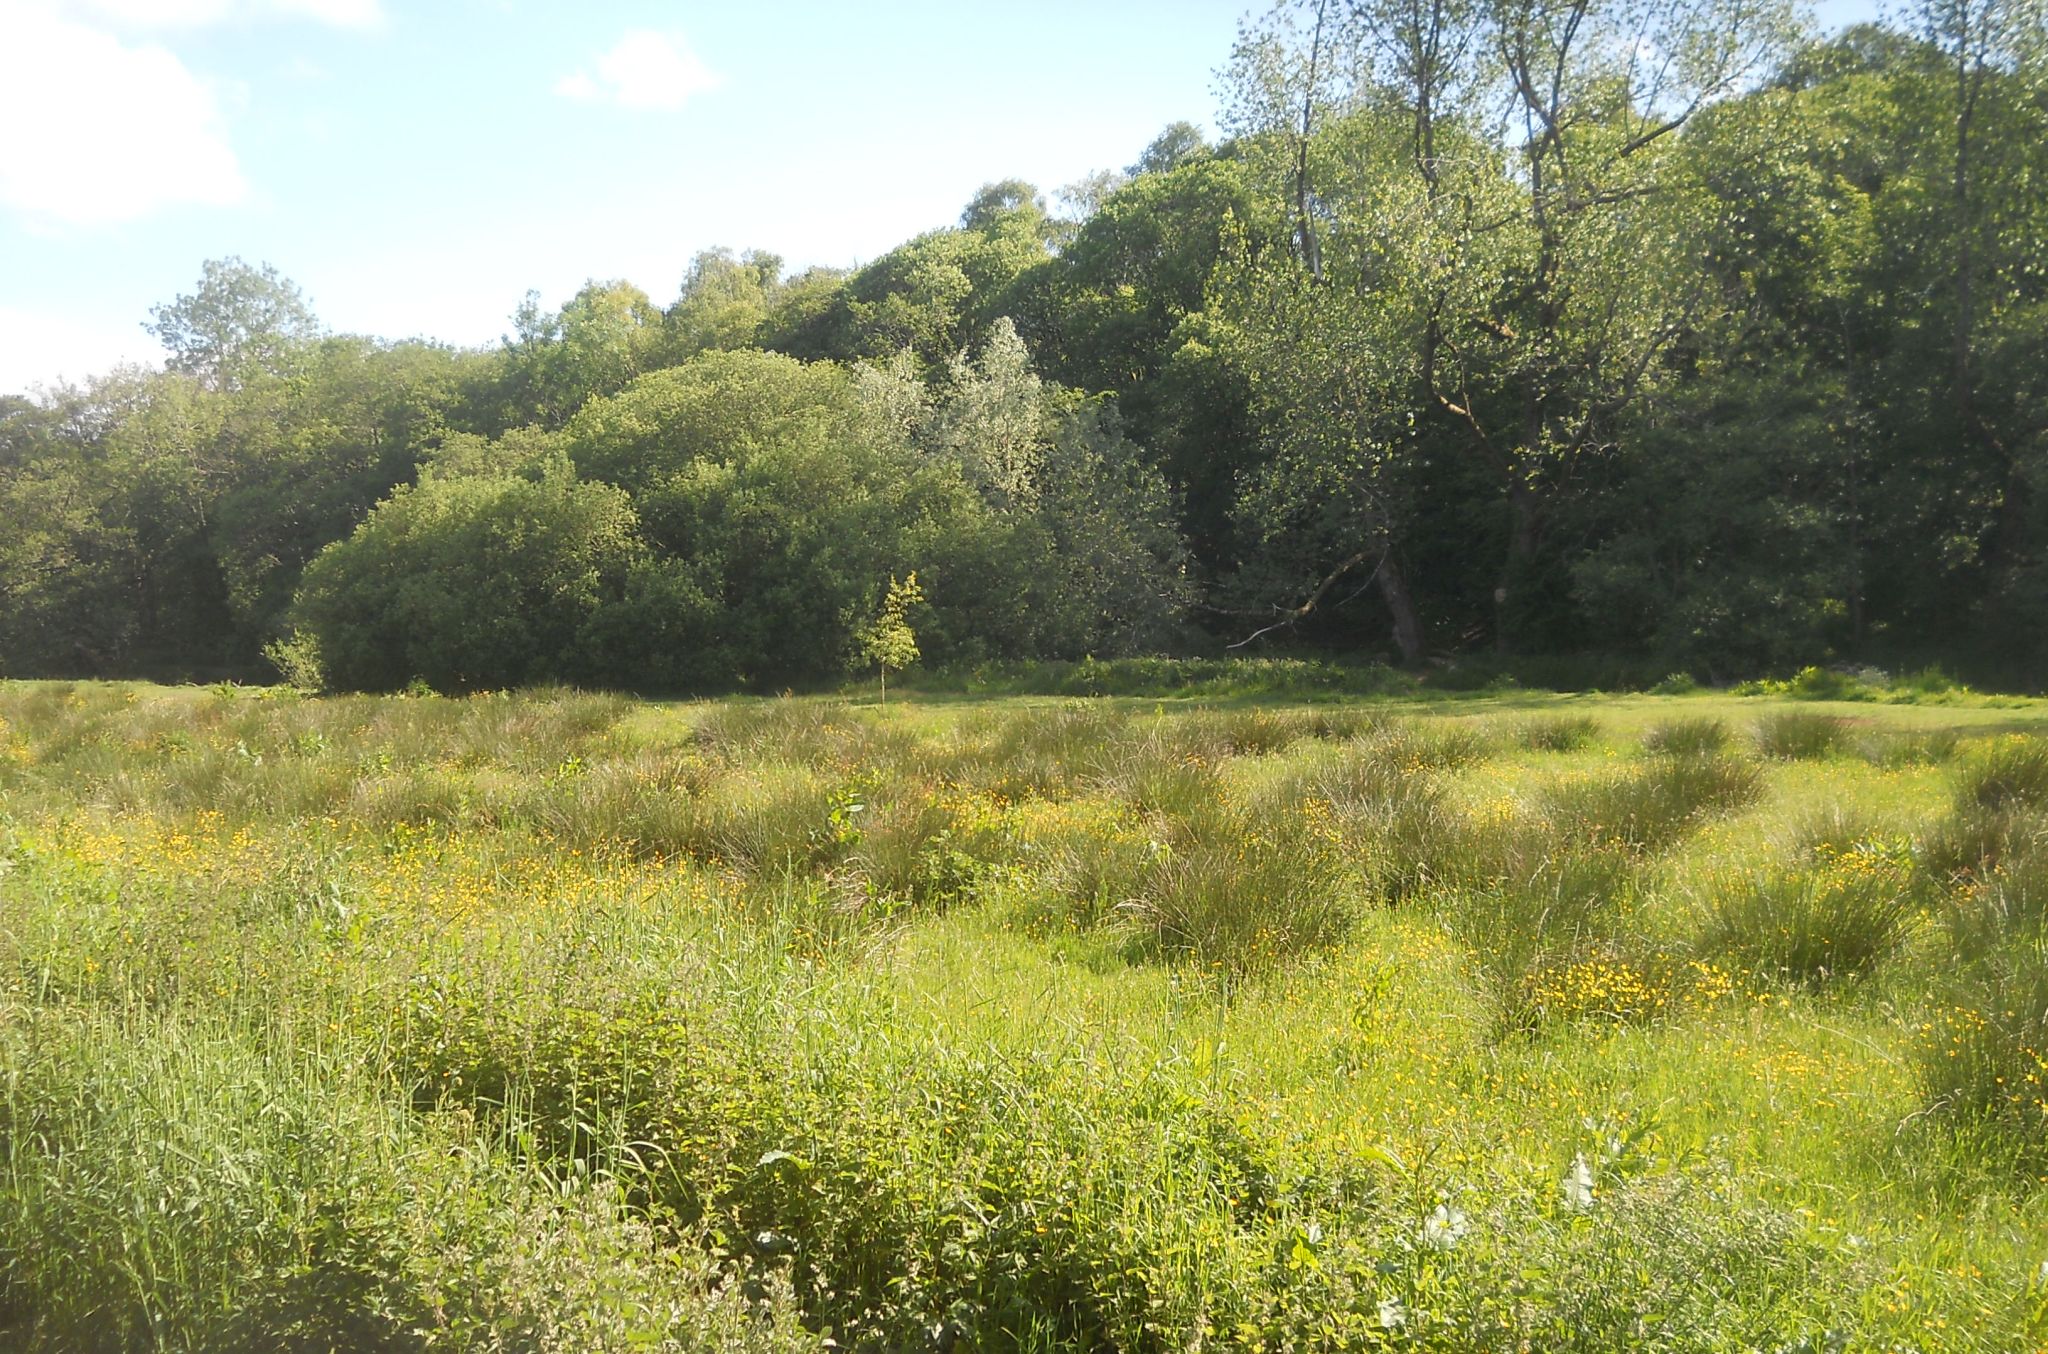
[(555, 1021)]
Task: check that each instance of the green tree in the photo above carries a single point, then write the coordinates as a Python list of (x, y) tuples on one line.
[(553, 364), (471, 583), (723, 303), (241, 321), (888, 641), (1495, 235)]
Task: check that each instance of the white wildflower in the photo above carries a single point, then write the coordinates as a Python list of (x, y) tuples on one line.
[(1578, 1185), (1393, 1313), (1445, 1227)]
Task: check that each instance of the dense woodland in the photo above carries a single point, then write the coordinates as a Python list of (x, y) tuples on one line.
[(1485, 330)]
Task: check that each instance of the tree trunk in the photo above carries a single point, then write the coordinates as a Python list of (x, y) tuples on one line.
[(1523, 505), (1401, 605)]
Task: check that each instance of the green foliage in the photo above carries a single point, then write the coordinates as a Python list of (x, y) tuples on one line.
[(297, 661), (888, 641), (1738, 380), (242, 323), (471, 583)]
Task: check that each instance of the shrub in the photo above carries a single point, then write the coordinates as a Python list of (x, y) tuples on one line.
[(469, 583)]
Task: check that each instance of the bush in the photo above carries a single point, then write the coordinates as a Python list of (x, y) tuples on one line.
[(470, 583)]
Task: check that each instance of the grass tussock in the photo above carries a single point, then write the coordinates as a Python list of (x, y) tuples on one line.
[(1557, 733), (1649, 806), (1799, 735), (1704, 737)]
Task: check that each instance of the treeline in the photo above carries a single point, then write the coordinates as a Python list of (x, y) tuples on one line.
[(1487, 328)]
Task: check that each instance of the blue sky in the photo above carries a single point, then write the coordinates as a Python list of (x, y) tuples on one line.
[(416, 165)]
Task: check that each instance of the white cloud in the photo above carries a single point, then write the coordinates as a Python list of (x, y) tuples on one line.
[(94, 131), (146, 13), (49, 347), (199, 13), (175, 14), (340, 13), (647, 69)]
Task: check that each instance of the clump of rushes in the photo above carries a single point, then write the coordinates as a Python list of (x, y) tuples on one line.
[(1156, 774), (1216, 734), (1236, 892), (1541, 909), (1799, 735), (1915, 747), (1389, 799), (1078, 862), (1701, 737), (1837, 905), (1648, 806), (2004, 775), (1557, 733), (1999, 806), (1044, 752), (1985, 1051)]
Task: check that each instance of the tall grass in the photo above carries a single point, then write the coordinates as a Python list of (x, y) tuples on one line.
[(556, 1022), (171, 1183)]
